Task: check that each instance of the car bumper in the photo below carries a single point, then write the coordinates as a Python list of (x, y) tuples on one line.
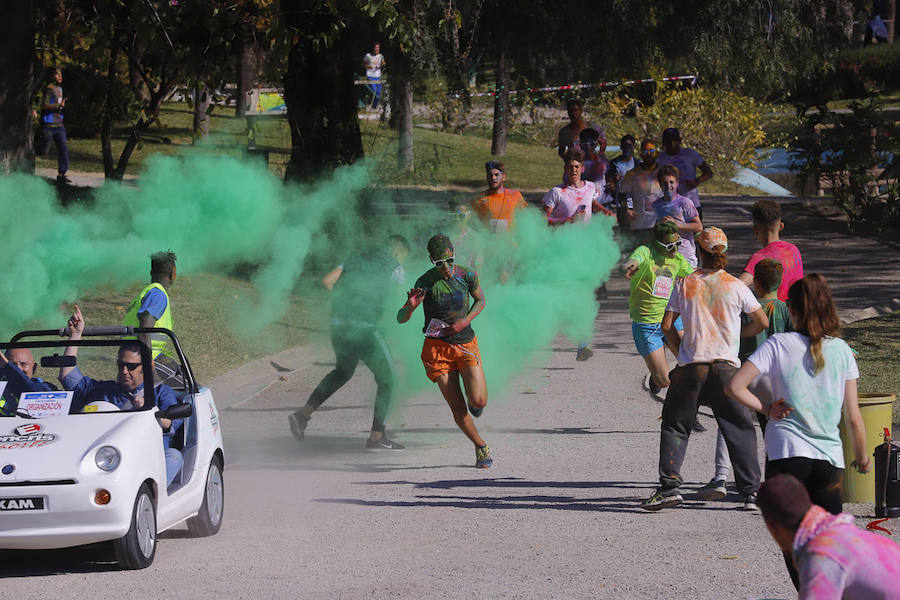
[(70, 517)]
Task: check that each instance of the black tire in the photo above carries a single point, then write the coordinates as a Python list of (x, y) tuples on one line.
[(137, 548), (209, 519)]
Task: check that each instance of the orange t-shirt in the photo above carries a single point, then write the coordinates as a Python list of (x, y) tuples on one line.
[(498, 210)]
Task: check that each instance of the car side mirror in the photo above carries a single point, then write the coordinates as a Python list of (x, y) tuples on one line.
[(177, 411), (58, 361)]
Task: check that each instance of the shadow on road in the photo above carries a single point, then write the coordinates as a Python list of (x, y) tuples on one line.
[(95, 558)]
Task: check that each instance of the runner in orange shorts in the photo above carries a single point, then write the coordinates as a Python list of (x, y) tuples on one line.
[(451, 351)]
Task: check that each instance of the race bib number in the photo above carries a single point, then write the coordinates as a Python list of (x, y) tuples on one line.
[(435, 328), (662, 287), (46, 404), (499, 225)]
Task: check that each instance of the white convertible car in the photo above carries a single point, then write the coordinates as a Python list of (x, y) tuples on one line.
[(73, 475)]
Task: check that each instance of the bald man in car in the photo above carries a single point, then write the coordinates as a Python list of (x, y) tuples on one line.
[(17, 370)]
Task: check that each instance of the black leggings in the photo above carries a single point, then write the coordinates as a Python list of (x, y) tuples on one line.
[(822, 480), (353, 344)]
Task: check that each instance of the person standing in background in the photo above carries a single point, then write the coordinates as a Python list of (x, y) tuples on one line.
[(374, 63), (688, 161), (52, 128)]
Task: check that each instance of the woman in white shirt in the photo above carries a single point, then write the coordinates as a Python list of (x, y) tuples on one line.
[(813, 375)]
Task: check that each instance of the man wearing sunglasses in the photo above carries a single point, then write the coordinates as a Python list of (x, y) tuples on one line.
[(450, 352), (653, 270), (126, 392)]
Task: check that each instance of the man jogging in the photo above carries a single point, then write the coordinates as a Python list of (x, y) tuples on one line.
[(360, 286)]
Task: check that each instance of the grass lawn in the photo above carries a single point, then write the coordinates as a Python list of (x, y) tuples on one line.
[(203, 306), (441, 158), (878, 343)]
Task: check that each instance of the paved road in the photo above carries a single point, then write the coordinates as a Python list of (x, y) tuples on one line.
[(556, 517)]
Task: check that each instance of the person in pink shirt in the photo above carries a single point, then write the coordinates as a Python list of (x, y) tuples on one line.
[(767, 225), (834, 558), (576, 200)]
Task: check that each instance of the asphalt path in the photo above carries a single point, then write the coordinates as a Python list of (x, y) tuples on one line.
[(557, 516)]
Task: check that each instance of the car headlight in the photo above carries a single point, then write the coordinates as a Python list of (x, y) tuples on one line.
[(107, 458)]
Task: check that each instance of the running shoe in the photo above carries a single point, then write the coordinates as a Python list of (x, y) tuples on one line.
[(662, 499), (750, 503), (584, 354), (298, 423), (697, 426), (383, 444), (476, 412), (714, 490), (483, 458)]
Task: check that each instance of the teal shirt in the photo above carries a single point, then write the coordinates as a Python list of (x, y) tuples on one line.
[(779, 322), (448, 299)]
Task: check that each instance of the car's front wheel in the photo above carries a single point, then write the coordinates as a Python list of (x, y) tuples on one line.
[(209, 519), (137, 548)]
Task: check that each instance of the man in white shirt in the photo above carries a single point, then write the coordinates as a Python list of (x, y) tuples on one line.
[(374, 62), (710, 303)]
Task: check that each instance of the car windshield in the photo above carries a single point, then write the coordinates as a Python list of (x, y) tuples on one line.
[(40, 379)]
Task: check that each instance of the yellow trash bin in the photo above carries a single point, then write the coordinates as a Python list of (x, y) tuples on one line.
[(876, 414)]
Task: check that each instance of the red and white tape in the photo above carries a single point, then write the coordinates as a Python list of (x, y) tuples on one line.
[(580, 86)]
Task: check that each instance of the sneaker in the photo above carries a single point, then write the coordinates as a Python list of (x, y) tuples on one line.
[(750, 503), (660, 500), (383, 443), (298, 423), (475, 412), (63, 179), (697, 426), (714, 490), (483, 458), (584, 354)]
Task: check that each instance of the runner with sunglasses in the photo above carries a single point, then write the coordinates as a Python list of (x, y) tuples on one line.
[(653, 270), (450, 352)]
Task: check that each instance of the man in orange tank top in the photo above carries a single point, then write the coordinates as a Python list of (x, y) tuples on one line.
[(497, 206)]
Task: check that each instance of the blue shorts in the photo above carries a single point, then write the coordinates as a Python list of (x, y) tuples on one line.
[(648, 337)]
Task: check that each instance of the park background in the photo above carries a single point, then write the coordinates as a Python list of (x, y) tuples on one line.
[(785, 87)]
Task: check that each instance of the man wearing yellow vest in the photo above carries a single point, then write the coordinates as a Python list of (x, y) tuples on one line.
[(152, 308)]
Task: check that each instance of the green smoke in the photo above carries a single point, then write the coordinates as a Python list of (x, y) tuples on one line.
[(213, 212), (550, 276), (217, 213)]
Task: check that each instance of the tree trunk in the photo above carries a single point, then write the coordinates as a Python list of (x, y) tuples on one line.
[(405, 160), (106, 125), (16, 79), (246, 73), (321, 103), (890, 13), (501, 106), (400, 77), (151, 112), (202, 100)]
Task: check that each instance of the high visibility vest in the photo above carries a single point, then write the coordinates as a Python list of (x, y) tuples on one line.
[(158, 341)]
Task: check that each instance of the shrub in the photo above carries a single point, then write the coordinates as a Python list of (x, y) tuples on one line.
[(848, 150), (724, 127), (858, 71)]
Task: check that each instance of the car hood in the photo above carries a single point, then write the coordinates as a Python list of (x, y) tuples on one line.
[(55, 448)]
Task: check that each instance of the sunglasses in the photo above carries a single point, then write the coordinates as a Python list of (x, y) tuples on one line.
[(443, 261), (669, 247), (128, 365), (650, 151)]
